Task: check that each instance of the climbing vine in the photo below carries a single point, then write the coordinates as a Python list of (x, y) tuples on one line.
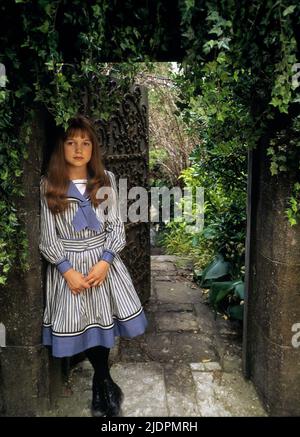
[(242, 63), (56, 53)]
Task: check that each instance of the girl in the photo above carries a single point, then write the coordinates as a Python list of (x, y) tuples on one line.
[(90, 297)]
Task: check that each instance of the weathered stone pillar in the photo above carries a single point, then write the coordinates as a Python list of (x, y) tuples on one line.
[(25, 367), (273, 297)]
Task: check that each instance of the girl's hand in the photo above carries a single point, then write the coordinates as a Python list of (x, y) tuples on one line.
[(98, 273), (76, 281)]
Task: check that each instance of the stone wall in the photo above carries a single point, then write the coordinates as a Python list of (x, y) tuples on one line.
[(273, 301), (27, 374)]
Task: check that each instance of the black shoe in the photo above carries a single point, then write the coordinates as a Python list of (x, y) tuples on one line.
[(100, 401), (114, 396)]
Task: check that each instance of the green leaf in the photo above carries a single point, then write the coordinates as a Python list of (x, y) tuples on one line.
[(96, 10), (215, 270), (219, 290), (195, 241), (239, 289), (289, 10), (236, 312), (274, 168), (283, 168), (44, 28), (3, 280)]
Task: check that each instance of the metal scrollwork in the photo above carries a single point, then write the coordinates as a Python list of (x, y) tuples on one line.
[(125, 148)]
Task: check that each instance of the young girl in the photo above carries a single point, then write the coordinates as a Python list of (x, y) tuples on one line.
[(90, 297)]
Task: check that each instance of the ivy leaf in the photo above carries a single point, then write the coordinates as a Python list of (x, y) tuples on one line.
[(96, 10), (2, 278), (44, 27), (22, 91), (274, 168), (282, 168), (289, 10)]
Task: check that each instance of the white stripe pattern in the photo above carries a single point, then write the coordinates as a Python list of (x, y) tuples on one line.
[(116, 298)]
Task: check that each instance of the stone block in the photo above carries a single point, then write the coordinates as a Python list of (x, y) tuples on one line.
[(25, 385)]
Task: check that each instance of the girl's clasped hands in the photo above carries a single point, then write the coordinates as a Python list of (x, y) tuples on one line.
[(78, 283)]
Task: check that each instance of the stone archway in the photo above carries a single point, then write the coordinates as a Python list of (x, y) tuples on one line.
[(272, 304)]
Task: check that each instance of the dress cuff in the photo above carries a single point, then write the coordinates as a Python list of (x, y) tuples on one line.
[(64, 265), (108, 255)]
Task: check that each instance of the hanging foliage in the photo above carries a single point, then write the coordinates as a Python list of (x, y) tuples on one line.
[(57, 52)]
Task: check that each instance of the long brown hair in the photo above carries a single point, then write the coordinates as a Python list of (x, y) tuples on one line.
[(57, 179)]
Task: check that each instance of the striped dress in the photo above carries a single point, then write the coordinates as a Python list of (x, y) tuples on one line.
[(79, 237)]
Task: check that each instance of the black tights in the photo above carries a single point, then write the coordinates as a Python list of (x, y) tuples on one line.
[(98, 357)]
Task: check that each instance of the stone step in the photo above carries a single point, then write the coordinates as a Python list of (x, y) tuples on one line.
[(180, 391), (179, 292), (163, 258), (226, 394), (174, 321), (144, 389), (165, 267), (171, 347)]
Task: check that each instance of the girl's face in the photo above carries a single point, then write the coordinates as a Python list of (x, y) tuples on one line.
[(78, 149)]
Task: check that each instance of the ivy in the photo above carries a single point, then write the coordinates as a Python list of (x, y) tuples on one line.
[(239, 57), (38, 74), (244, 88)]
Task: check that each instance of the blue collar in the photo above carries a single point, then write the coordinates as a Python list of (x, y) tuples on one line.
[(85, 216)]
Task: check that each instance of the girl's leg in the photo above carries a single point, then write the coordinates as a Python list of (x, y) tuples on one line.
[(107, 395), (98, 357)]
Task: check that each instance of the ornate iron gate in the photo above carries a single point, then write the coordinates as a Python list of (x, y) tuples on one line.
[(124, 139)]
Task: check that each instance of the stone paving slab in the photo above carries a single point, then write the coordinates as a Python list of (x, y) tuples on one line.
[(165, 278), (205, 319), (206, 367), (183, 347), (163, 258), (183, 263), (180, 391), (144, 389), (166, 268), (168, 307), (226, 395), (134, 351), (177, 321), (177, 293)]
